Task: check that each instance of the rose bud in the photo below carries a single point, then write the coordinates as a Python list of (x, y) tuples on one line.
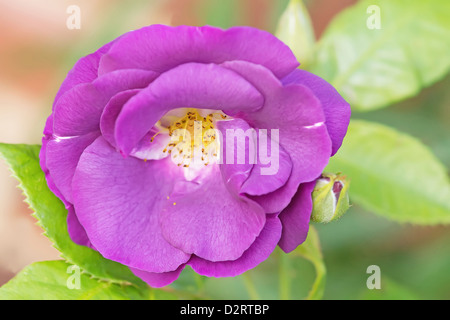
[(330, 198)]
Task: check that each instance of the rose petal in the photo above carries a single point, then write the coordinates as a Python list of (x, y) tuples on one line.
[(250, 177), (118, 201), (337, 110), (234, 174), (62, 157), (152, 146), (48, 135), (76, 230), (209, 221), (267, 178), (158, 280), (78, 111), (259, 251), (295, 218), (191, 85), (112, 111), (298, 115), (84, 71), (162, 48)]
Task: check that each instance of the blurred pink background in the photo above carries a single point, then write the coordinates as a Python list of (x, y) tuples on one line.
[(36, 51)]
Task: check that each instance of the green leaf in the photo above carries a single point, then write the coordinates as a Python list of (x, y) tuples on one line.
[(393, 174), (311, 251), (23, 161), (373, 68), (56, 280)]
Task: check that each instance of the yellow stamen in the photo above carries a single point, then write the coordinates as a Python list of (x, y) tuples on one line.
[(191, 123)]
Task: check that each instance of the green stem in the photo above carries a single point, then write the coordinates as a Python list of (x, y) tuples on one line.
[(285, 282), (250, 286), (318, 286)]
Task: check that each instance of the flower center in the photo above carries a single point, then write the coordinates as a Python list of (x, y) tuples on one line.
[(193, 138)]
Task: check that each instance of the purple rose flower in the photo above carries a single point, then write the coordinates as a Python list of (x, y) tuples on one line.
[(108, 155)]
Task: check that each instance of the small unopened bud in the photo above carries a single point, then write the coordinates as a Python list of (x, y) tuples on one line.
[(330, 198), (295, 30)]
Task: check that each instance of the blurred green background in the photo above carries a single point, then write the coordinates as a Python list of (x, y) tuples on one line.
[(37, 50)]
